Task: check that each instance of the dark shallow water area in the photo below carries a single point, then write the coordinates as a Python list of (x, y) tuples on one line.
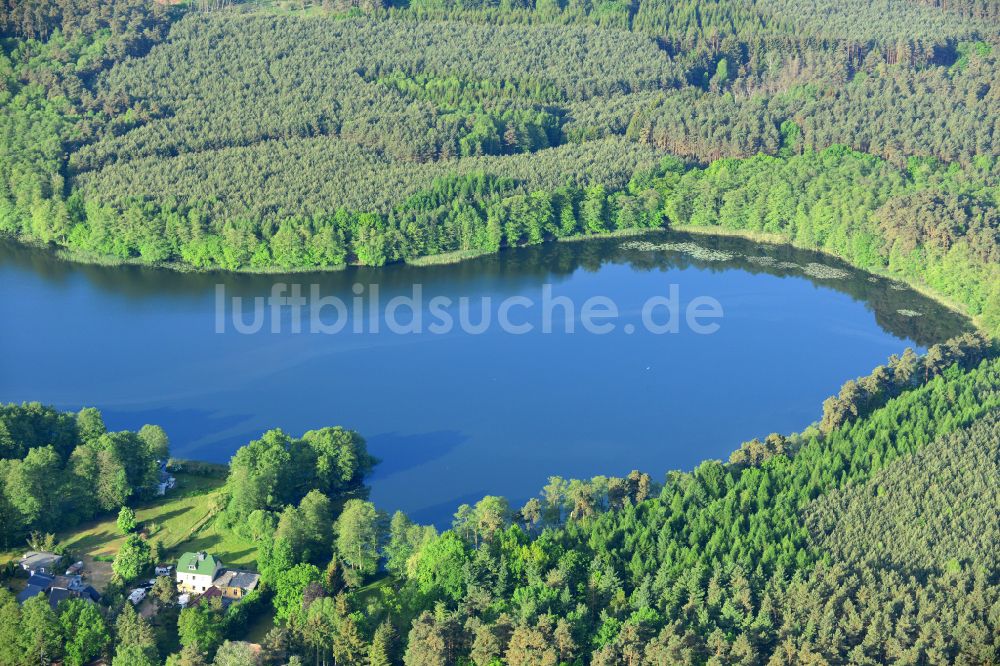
[(456, 416)]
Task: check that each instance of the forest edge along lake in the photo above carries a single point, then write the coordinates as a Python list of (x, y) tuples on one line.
[(455, 416)]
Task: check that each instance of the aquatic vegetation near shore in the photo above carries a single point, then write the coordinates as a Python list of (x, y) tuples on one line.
[(813, 269), (642, 246), (824, 272), (692, 249)]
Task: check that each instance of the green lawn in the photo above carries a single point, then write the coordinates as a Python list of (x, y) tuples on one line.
[(184, 520), (225, 545)]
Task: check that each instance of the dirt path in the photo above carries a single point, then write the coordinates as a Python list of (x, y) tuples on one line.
[(96, 574)]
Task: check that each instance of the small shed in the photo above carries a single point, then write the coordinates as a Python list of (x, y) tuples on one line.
[(39, 561)]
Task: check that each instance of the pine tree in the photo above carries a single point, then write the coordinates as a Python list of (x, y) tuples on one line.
[(348, 647), (383, 645)]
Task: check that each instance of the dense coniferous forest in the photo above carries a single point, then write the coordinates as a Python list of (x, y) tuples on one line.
[(221, 135)]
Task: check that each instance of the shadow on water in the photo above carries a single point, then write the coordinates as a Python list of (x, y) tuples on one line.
[(186, 425), (397, 452), (218, 448), (892, 304), (400, 452), (440, 515)]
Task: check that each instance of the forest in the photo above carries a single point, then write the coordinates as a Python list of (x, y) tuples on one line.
[(316, 134), (223, 136), (58, 469)]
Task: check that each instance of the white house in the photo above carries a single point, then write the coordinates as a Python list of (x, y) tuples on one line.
[(196, 571)]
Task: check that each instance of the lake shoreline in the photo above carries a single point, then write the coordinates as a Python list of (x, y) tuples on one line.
[(460, 256), (452, 257), (777, 239), (216, 388)]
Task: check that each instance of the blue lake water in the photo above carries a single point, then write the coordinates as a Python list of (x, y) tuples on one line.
[(457, 416)]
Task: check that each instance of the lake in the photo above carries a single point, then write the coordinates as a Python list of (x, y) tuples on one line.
[(458, 415)]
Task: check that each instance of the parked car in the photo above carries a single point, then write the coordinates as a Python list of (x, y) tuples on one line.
[(137, 595)]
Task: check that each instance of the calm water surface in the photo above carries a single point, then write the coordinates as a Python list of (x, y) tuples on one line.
[(457, 416)]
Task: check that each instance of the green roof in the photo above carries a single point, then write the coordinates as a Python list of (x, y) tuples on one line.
[(199, 563)]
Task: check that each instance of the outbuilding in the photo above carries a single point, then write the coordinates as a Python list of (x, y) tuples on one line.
[(39, 561)]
